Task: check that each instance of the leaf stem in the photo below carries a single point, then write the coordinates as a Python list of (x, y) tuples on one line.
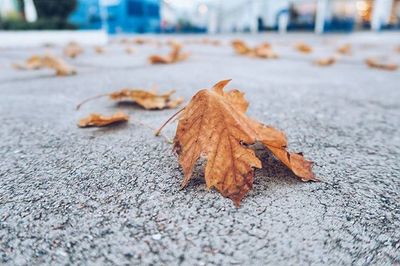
[(91, 98), (149, 127), (158, 132)]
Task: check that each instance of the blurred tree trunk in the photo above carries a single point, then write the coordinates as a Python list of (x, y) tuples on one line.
[(21, 8), (59, 9)]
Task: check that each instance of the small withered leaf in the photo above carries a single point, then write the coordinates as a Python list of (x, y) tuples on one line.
[(99, 49), (98, 120), (174, 56), (375, 63), (149, 100), (61, 67), (72, 50), (240, 47), (263, 50), (345, 49), (33, 62), (303, 47), (327, 61), (47, 61), (140, 40), (214, 126), (129, 50)]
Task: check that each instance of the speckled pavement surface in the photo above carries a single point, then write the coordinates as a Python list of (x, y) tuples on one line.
[(111, 195)]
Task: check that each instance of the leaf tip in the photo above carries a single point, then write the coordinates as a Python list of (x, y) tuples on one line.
[(219, 86)]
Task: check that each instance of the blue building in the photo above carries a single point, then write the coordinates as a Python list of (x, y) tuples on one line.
[(87, 15), (118, 15)]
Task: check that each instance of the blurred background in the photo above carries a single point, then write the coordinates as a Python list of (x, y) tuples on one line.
[(200, 16)]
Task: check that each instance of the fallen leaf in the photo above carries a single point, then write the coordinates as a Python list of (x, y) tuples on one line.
[(129, 50), (147, 99), (33, 62), (214, 126), (98, 120), (345, 49), (325, 61), (59, 65), (49, 61), (72, 50), (303, 47), (374, 63), (140, 40), (241, 47), (263, 50), (174, 56), (99, 49)]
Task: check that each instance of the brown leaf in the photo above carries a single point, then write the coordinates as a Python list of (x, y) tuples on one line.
[(99, 49), (325, 61), (374, 63), (49, 61), (344, 49), (147, 99), (214, 126), (59, 65), (241, 47), (72, 50), (98, 120), (303, 48), (174, 56), (33, 62), (140, 40), (263, 50), (129, 50)]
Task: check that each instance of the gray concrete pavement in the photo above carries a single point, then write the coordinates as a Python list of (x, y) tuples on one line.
[(111, 195)]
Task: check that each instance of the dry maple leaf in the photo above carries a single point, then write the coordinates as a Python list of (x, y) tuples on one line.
[(147, 99), (263, 50), (303, 47), (174, 56), (374, 63), (72, 50), (49, 61), (98, 120), (325, 61), (345, 49), (214, 126)]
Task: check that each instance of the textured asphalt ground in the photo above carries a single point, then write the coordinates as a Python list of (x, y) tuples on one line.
[(111, 195)]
